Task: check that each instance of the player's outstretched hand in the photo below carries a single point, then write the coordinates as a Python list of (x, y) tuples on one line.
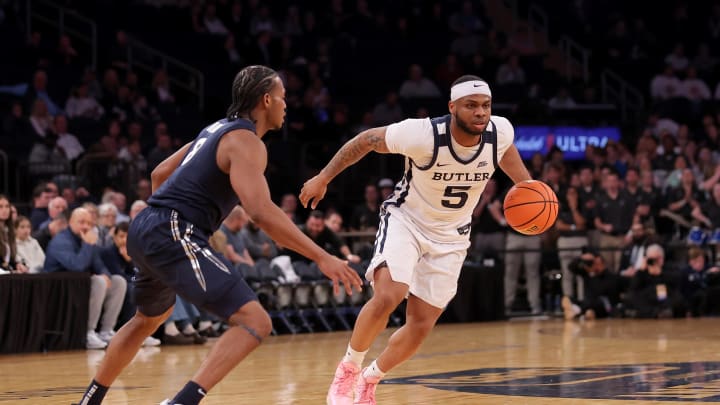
[(338, 271), (313, 191)]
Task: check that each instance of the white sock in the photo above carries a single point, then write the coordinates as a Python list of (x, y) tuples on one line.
[(171, 329), (188, 329), (204, 325), (373, 371), (354, 356)]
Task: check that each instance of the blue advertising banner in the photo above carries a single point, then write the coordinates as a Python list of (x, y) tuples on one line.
[(571, 140)]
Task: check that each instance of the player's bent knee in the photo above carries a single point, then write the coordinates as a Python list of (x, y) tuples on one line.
[(263, 325), (387, 301), (254, 319)]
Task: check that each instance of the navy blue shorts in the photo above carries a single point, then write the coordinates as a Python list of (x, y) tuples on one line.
[(172, 257)]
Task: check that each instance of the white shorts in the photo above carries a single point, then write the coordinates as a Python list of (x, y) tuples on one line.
[(431, 269)]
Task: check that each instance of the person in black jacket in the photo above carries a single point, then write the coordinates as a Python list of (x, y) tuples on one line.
[(654, 291), (601, 288), (700, 284)]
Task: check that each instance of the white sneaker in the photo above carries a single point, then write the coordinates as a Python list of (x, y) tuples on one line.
[(94, 341), (165, 402), (106, 335), (151, 341)]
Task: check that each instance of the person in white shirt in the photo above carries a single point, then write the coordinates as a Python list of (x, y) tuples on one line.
[(677, 58), (424, 230), (665, 85), (81, 105), (28, 248), (693, 88), (66, 141), (417, 85)]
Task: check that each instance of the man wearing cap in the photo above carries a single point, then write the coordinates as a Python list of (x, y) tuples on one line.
[(386, 187), (424, 230)]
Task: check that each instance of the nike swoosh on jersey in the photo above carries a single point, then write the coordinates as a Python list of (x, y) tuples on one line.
[(441, 164)]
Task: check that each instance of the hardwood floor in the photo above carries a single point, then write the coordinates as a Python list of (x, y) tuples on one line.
[(528, 362)]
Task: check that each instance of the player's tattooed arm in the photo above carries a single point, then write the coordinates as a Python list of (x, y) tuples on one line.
[(363, 143)]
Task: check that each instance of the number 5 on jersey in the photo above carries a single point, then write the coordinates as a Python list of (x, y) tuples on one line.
[(455, 192)]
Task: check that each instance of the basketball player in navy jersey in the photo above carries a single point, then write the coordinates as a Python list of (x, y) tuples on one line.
[(424, 227), (193, 191)]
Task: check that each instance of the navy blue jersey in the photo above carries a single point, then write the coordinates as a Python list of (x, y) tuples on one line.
[(198, 190)]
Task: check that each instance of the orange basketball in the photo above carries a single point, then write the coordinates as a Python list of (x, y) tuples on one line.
[(531, 207)]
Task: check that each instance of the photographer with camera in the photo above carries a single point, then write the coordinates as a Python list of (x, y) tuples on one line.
[(601, 288), (700, 284), (637, 241), (654, 291)]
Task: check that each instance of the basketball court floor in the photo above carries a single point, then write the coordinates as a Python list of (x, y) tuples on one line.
[(514, 362)]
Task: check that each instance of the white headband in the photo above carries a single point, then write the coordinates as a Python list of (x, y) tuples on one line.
[(467, 88)]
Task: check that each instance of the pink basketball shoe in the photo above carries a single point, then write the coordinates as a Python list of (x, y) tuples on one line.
[(341, 389)]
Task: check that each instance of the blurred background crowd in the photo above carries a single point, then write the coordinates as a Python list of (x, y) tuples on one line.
[(94, 94)]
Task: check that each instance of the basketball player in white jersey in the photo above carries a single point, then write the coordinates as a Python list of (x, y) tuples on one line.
[(424, 225)]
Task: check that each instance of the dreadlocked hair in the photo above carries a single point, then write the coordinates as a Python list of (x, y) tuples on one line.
[(248, 88)]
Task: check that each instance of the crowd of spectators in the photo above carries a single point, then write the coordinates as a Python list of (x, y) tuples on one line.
[(86, 141)]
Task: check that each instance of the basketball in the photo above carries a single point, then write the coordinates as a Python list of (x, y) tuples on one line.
[(531, 207)]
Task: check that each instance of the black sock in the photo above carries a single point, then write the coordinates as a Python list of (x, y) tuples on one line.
[(191, 394), (94, 394)]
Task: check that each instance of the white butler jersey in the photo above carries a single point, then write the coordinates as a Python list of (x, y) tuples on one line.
[(443, 180)]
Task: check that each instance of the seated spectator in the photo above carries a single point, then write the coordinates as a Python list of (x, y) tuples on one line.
[(666, 85), (75, 249), (16, 137), (107, 218), (417, 85), (316, 230), (694, 88), (81, 105), (334, 221), (119, 200), (45, 235), (235, 250), (636, 243), (365, 216), (288, 204), (212, 23), (57, 206), (700, 284), (28, 248), (562, 100), (136, 207), (118, 262), (708, 213), (9, 261), (41, 120), (35, 90), (68, 143), (510, 72), (386, 187), (654, 290), (47, 156), (387, 111), (258, 243), (686, 197), (601, 288)]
